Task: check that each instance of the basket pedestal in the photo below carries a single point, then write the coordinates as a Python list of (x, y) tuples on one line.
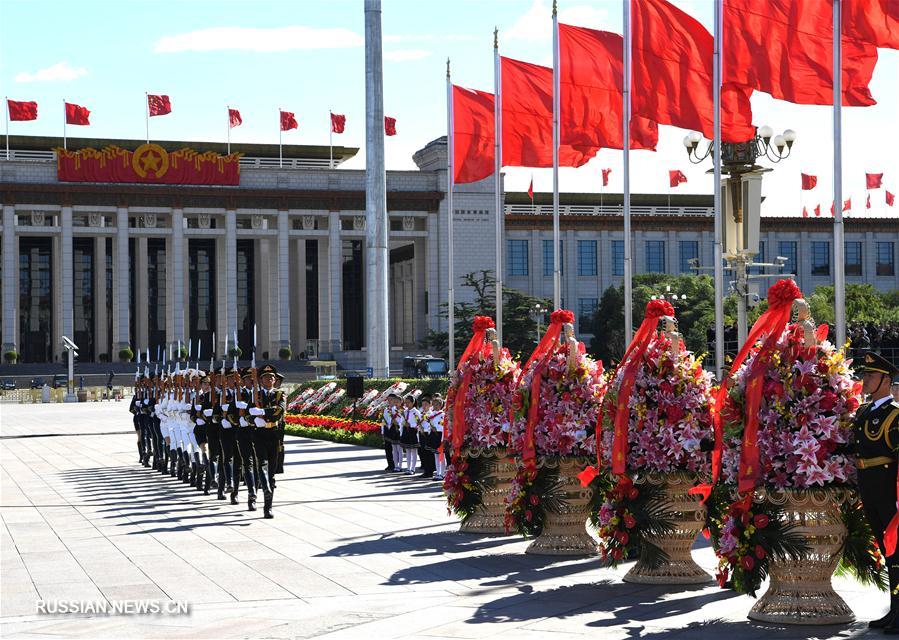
[(565, 531), (489, 518), (800, 591), (688, 517)]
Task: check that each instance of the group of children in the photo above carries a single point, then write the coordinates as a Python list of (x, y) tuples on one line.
[(408, 430)]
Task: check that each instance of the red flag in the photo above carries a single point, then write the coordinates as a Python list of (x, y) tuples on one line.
[(675, 177), (527, 104), (868, 203), (873, 180), (847, 205), (389, 126), (531, 190), (338, 123), (874, 21), (672, 74), (590, 81), (804, 212), (76, 114), (473, 135), (21, 111), (288, 121), (605, 176), (808, 182), (234, 119), (818, 211), (890, 199), (785, 48), (159, 105)]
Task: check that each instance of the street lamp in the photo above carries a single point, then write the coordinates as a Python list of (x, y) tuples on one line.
[(741, 197), (673, 297), (539, 310)]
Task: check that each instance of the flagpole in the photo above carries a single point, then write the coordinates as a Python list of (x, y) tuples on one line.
[(147, 113), (717, 251), (64, 121), (497, 181), (839, 296), (280, 129), (626, 148), (229, 129), (330, 139), (450, 179), (557, 262), (6, 100)]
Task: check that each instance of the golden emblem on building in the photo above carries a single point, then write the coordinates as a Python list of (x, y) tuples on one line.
[(150, 159)]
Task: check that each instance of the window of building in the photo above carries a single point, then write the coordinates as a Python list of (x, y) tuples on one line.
[(655, 256), (548, 257), (586, 257), (689, 250), (311, 289), (820, 258), (759, 257), (853, 265), (886, 259), (35, 299), (83, 296), (617, 257), (246, 307), (156, 292), (586, 308), (787, 249), (353, 296), (518, 257), (201, 283)]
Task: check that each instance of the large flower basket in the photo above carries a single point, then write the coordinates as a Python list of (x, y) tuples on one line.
[(686, 515), (800, 591), (488, 517), (565, 519)]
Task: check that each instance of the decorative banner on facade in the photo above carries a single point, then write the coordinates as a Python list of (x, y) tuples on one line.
[(149, 163)]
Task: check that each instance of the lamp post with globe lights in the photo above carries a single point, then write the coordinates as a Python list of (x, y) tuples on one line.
[(741, 198)]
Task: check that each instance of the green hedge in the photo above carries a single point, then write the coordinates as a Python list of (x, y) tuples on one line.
[(428, 386), (337, 435)]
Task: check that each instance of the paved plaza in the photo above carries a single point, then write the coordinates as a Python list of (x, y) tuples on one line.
[(351, 553)]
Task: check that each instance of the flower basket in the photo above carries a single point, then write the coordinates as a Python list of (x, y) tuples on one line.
[(686, 515), (801, 591), (497, 471), (565, 510)]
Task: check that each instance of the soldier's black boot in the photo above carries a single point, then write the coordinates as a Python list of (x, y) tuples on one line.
[(189, 471), (174, 462), (267, 506), (890, 622), (201, 469), (140, 453)]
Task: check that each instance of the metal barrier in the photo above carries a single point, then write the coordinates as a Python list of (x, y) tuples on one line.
[(86, 394)]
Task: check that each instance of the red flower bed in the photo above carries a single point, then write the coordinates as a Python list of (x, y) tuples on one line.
[(328, 422)]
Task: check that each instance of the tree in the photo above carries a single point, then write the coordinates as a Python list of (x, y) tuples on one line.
[(519, 320), (864, 303)]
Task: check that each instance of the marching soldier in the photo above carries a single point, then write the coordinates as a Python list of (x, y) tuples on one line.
[(245, 432), (877, 449), (228, 481), (267, 414), (135, 409)]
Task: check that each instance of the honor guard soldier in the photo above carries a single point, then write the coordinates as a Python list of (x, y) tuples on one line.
[(877, 449), (267, 412), (245, 432), (135, 409), (228, 436)]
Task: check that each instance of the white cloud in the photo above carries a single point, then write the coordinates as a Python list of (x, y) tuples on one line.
[(59, 72), (535, 24), (265, 40), (405, 55)]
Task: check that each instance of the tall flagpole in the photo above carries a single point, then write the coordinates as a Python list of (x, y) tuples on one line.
[(6, 102), (64, 122), (557, 261), (626, 159), (147, 113), (497, 181), (330, 139), (450, 179), (229, 129), (717, 251), (280, 129), (839, 293)]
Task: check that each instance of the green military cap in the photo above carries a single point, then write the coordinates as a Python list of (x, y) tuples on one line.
[(246, 371), (876, 363), (269, 370)]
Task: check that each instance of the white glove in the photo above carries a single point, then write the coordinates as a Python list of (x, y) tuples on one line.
[(198, 407), (243, 422), (260, 422), (240, 404), (200, 422), (207, 412), (257, 411), (225, 406)]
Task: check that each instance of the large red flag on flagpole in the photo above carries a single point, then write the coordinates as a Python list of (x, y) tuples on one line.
[(890, 199), (389, 126), (785, 48), (808, 182), (77, 115), (234, 119), (873, 180), (591, 78), (672, 74), (288, 121), (21, 111), (874, 21), (473, 135), (158, 105), (338, 123)]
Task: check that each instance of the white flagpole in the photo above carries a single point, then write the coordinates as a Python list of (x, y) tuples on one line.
[(330, 139), (64, 121), (717, 251), (450, 179), (498, 187), (557, 261), (280, 154), (229, 129), (6, 100), (838, 248), (147, 113), (626, 175)]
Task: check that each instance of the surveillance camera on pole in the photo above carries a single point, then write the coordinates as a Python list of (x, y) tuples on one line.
[(72, 349)]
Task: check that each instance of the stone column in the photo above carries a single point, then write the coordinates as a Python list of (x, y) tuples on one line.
[(10, 280), (122, 298), (299, 300), (283, 280), (334, 286), (100, 318), (141, 299), (178, 274), (66, 266)]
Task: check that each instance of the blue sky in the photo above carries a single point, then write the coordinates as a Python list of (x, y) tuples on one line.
[(307, 57)]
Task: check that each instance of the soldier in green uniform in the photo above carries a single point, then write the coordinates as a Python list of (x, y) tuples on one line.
[(267, 415), (877, 449)]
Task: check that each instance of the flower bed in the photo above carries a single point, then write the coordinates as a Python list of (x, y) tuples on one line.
[(361, 432)]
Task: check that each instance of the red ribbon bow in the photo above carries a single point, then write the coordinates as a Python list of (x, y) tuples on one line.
[(474, 348)]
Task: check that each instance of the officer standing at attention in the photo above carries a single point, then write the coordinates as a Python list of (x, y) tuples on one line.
[(876, 432)]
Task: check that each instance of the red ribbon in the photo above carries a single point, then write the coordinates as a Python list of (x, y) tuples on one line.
[(770, 324), (544, 349), (891, 533), (474, 348)]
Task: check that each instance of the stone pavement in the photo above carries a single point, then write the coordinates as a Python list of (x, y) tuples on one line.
[(351, 553)]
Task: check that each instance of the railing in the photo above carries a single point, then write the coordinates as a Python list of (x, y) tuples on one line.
[(604, 210), (90, 394), (251, 162)]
